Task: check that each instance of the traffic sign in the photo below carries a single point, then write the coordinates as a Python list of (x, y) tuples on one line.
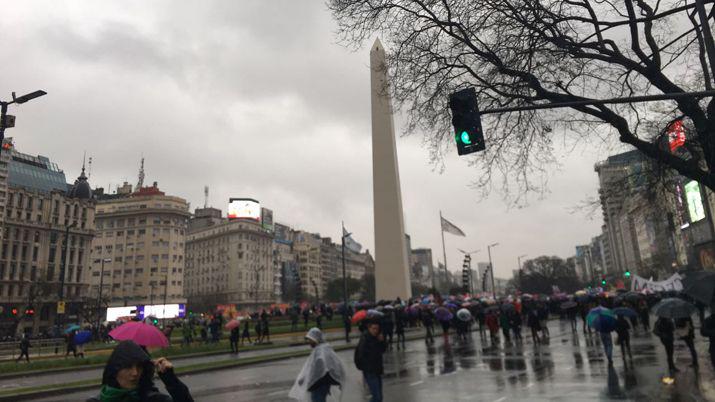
[(60, 307), (9, 121)]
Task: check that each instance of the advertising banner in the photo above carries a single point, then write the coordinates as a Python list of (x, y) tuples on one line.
[(244, 208)]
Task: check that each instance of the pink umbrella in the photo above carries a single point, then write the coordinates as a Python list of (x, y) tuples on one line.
[(232, 324), (142, 334)]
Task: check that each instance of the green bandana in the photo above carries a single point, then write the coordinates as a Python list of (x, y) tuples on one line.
[(111, 394)]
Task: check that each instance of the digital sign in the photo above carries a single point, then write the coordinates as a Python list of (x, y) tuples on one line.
[(162, 311), (695, 201), (244, 208), (267, 218)]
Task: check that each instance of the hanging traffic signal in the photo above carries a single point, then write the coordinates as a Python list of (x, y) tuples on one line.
[(466, 121), (603, 280), (14, 311), (29, 311), (628, 274)]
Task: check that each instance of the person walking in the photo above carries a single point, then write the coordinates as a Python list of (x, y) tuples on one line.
[(322, 370), (544, 319), (293, 313), (532, 320), (368, 359), (259, 331), (265, 329), (400, 322), (428, 323), (233, 338), (624, 336), (571, 314), (24, 348), (505, 325), (584, 312), (685, 330), (493, 324), (708, 330), (607, 342), (388, 327), (515, 324), (246, 333), (347, 324), (644, 314), (71, 345), (186, 334), (665, 330), (306, 316), (128, 376)]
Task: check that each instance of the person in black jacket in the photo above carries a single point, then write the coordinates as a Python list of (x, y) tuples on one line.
[(665, 330), (129, 373), (24, 348), (708, 330), (624, 336), (368, 359)]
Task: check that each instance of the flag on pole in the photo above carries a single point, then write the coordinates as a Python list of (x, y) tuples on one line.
[(449, 227), (351, 244)]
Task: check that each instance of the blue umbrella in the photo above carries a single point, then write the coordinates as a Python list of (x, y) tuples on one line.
[(72, 327), (82, 337), (601, 319), (625, 311)]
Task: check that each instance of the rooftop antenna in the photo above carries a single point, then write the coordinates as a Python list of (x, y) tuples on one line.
[(84, 158), (89, 168), (140, 183), (206, 196)]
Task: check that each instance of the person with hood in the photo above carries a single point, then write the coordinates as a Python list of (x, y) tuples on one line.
[(129, 376), (368, 358), (24, 348), (321, 371)]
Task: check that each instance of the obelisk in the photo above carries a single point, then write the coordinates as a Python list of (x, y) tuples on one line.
[(392, 278)]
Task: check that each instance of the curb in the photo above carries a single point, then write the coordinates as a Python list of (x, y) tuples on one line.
[(28, 394)]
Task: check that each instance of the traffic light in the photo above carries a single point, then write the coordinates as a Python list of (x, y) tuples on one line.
[(603, 280), (466, 121), (14, 311), (628, 274), (29, 311)]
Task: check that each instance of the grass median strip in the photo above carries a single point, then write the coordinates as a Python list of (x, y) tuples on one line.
[(57, 389)]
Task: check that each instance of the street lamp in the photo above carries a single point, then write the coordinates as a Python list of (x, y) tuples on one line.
[(491, 268), (7, 121), (99, 296)]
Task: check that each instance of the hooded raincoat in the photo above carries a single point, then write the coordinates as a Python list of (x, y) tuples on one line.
[(321, 362), (128, 354)]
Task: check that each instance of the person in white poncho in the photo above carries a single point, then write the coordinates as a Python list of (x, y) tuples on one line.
[(321, 371)]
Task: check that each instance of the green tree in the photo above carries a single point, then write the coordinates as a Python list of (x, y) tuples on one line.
[(541, 273), (334, 290)]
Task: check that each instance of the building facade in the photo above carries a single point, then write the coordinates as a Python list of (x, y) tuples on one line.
[(231, 262), (46, 238), (141, 238)]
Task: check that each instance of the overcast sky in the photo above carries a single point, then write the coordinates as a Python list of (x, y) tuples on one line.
[(254, 99)]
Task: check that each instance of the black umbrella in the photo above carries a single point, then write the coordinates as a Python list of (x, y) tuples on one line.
[(569, 304), (673, 308), (633, 297), (700, 286)]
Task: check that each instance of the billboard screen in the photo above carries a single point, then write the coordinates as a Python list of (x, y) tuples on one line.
[(695, 201), (267, 218), (162, 311), (114, 313), (244, 208)]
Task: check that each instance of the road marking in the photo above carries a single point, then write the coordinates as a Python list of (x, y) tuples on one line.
[(500, 399), (416, 383), (277, 393)]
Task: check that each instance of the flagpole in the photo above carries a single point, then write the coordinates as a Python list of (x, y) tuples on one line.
[(345, 281), (444, 250)]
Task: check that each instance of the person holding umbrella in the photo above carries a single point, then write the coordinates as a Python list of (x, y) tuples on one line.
[(603, 321), (321, 371), (664, 329), (368, 358), (685, 331), (624, 336), (129, 373)]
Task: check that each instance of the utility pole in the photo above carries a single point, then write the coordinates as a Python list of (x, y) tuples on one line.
[(166, 284), (491, 268), (8, 121), (99, 297), (345, 282), (59, 318)]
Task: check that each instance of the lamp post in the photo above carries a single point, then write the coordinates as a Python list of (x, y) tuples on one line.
[(63, 269), (345, 283), (99, 296), (491, 268), (7, 121)]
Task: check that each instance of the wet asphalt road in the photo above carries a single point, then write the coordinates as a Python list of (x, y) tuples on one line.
[(568, 367)]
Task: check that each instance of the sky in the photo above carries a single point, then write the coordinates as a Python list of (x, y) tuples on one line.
[(256, 99)]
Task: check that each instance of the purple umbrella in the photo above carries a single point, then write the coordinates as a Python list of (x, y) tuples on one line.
[(443, 314)]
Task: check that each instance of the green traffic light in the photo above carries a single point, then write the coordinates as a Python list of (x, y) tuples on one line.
[(465, 138), (628, 274)]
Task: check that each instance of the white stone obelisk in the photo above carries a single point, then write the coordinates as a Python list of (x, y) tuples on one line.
[(392, 275)]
